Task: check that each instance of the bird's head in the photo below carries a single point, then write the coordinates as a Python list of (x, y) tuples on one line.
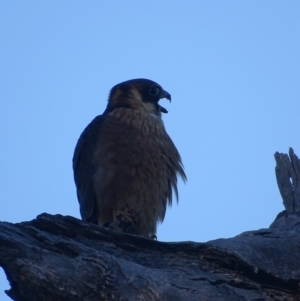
[(140, 94)]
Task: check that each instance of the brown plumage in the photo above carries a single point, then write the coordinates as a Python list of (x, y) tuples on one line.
[(125, 164)]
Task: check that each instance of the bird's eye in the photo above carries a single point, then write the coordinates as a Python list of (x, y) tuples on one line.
[(154, 91)]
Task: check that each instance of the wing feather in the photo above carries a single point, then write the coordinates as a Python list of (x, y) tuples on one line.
[(84, 169)]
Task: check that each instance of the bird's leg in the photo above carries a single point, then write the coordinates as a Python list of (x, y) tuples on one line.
[(126, 220)]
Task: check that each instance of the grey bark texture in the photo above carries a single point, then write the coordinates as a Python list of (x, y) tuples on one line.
[(287, 172), (288, 179), (56, 257)]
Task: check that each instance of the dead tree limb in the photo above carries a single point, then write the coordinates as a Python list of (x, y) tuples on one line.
[(63, 258), (287, 172)]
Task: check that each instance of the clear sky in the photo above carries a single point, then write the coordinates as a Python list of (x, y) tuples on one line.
[(232, 68)]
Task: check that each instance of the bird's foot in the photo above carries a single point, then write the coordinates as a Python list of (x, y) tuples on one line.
[(125, 221)]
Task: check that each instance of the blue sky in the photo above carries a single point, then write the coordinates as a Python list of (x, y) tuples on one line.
[(232, 68)]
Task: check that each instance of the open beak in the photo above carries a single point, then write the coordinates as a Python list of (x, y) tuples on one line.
[(164, 94)]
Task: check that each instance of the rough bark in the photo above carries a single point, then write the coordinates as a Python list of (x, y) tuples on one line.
[(287, 172), (62, 258)]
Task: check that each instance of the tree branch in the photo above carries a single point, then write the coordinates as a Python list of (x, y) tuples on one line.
[(287, 172), (63, 258)]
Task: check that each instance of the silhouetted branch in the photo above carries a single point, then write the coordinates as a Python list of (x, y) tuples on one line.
[(288, 179), (63, 258)]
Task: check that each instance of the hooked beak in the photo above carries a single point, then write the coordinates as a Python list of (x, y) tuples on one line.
[(164, 94)]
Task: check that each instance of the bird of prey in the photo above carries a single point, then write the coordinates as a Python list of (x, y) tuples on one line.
[(125, 164)]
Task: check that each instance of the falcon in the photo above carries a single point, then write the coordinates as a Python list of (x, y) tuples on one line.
[(125, 164)]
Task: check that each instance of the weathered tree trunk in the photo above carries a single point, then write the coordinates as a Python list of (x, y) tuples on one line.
[(63, 258)]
